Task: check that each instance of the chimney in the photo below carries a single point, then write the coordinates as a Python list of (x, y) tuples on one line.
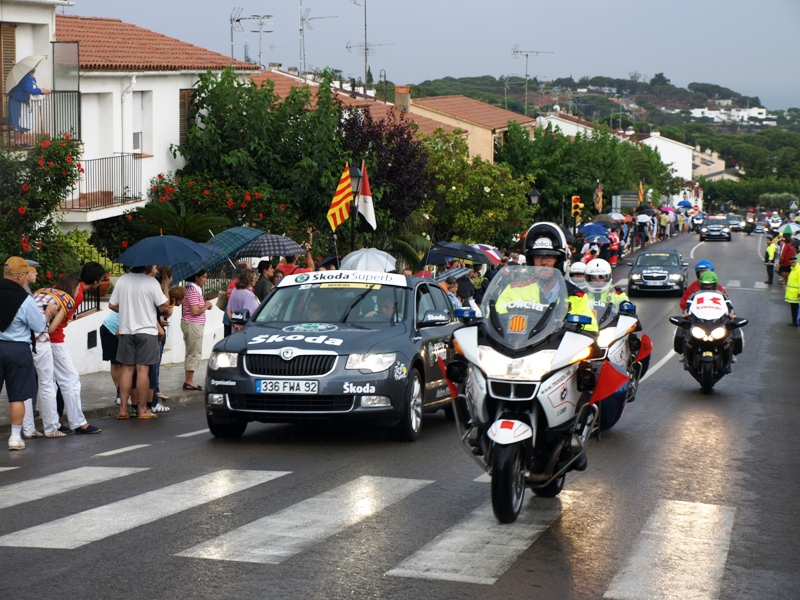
[(274, 65), (402, 97)]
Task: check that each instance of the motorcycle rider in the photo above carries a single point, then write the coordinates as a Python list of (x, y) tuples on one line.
[(546, 246), (577, 272), (709, 282), (769, 258), (701, 267), (598, 285)]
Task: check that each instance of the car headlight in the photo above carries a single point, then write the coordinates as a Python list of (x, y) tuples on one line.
[(704, 229), (223, 360), (698, 332), (718, 333), (726, 229), (528, 368), (635, 276), (675, 276), (374, 363), (606, 337)]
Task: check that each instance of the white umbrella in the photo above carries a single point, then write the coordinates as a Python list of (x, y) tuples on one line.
[(617, 216), (22, 68), (368, 259), (642, 219)]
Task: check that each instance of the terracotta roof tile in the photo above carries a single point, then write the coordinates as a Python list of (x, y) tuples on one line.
[(111, 45), (473, 111), (284, 82)]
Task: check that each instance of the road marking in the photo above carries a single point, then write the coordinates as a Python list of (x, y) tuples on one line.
[(485, 478), (104, 521), (658, 365), (680, 553), (121, 450), (43, 487), (479, 549), (8, 468), (734, 283), (280, 536), (760, 285), (191, 433), (691, 254)]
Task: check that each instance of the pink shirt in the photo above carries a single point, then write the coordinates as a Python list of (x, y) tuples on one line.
[(194, 297)]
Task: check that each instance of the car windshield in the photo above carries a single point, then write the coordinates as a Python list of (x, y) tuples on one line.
[(657, 260), (523, 305), (335, 303), (715, 221)]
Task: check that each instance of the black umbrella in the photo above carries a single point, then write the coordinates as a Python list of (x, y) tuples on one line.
[(442, 251), (647, 210), (271, 244)]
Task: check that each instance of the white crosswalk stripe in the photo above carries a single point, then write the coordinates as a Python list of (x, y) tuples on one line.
[(479, 549), (8, 468), (104, 521), (680, 553), (122, 450), (193, 433), (43, 487), (734, 283), (760, 285), (280, 536)]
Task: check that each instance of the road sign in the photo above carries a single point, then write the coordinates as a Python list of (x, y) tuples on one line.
[(696, 207), (793, 206)]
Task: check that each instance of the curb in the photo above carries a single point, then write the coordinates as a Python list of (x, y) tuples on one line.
[(111, 410)]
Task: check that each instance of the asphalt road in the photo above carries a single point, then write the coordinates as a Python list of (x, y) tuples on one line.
[(689, 496)]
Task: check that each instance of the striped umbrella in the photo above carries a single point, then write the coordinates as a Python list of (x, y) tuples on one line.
[(493, 253), (222, 245)]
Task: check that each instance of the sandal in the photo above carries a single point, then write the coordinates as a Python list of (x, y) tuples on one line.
[(149, 416), (194, 388), (162, 396), (30, 436), (122, 417), (55, 434)]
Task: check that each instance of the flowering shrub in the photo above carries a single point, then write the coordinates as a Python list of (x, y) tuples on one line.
[(33, 184)]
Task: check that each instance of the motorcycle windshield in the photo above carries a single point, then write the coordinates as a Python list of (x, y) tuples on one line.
[(605, 310), (523, 305)]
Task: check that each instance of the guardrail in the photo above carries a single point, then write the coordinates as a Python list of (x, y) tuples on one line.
[(22, 124)]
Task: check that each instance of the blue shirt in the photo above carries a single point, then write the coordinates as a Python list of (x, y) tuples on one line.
[(454, 300), (28, 318), (25, 89), (112, 322)]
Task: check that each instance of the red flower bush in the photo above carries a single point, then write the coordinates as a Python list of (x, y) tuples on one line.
[(25, 187), (124, 243), (46, 144), (22, 210)]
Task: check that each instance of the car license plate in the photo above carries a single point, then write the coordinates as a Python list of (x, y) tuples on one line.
[(286, 386), (655, 282)]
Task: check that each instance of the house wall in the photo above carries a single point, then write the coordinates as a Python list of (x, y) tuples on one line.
[(673, 154), (480, 140)]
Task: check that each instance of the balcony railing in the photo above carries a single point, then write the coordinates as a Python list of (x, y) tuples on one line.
[(22, 125), (107, 182)]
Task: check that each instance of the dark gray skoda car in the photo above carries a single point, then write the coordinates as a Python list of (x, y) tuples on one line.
[(335, 344)]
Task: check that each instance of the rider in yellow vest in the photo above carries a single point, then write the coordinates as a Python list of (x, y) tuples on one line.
[(600, 288)]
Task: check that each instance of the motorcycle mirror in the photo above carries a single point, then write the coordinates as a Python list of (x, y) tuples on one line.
[(579, 319), (679, 321), (736, 323)]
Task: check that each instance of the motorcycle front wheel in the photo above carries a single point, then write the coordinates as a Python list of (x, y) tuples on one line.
[(707, 377), (508, 482)]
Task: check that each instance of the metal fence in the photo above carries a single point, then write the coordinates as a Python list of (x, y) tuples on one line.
[(23, 124), (91, 303), (107, 182)]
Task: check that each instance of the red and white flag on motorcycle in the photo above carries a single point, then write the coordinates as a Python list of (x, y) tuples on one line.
[(610, 379), (364, 199)]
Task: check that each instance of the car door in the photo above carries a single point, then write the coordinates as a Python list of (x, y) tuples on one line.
[(441, 338)]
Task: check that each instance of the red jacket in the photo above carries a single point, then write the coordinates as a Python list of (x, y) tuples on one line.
[(787, 252), (695, 287)]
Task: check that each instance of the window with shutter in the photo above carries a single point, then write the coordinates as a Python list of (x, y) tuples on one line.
[(186, 101), (137, 121), (8, 57)]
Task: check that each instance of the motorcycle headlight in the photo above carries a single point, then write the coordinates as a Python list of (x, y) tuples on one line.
[(635, 276), (527, 368), (675, 276), (749, 220), (698, 332), (606, 337), (374, 363), (718, 333), (223, 360)]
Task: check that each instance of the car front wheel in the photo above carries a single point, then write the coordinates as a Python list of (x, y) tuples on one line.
[(411, 423)]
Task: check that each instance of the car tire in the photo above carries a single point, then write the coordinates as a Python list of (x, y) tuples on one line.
[(226, 430), (410, 425), (631, 290)]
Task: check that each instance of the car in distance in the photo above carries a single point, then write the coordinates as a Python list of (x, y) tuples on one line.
[(657, 272), (735, 222), (335, 344), (715, 228)]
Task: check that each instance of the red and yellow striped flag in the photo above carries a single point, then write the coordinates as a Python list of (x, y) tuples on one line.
[(339, 211)]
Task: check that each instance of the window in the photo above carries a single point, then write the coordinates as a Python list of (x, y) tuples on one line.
[(424, 302), (185, 111), (8, 54), (137, 122), (441, 300)]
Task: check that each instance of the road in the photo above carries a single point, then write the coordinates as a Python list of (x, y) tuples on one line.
[(689, 496)]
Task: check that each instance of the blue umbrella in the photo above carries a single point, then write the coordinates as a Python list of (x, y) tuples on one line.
[(685, 204), (593, 229), (164, 250), (597, 239)]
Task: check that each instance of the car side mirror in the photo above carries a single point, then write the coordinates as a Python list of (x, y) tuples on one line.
[(629, 263), (434, 318), (685, 264), (240, 317)]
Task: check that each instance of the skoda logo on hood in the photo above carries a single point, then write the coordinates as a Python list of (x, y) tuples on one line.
[(310, 328), (287, 353)]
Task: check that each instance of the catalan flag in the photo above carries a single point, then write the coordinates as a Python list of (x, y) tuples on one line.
[(641, 192), (339, 211)]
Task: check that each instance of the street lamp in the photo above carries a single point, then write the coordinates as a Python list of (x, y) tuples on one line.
[(533, 196), (355, 179), (355, 182)]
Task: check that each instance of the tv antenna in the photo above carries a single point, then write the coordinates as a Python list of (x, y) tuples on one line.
[(365, 46), (236, 25), (305, 23), (261, 24), (516, 53)]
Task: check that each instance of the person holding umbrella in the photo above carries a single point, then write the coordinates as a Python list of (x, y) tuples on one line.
[(19, 99)]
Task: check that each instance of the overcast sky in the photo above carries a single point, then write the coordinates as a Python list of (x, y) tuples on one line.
[(750, 47)]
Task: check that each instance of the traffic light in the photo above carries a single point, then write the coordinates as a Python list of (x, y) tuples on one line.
[(577, 205)]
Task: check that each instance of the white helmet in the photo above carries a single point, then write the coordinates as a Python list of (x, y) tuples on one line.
[(598, 276), (578, 268)]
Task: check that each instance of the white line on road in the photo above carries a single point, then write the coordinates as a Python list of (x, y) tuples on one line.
[(691, 254), (734, 283), (8, 468), (485, 478), (479, 549), (680, 553), (658, 365), (44, 487), (104, 521), (280, 536), (121, 450), (192, 433), (760, 285)]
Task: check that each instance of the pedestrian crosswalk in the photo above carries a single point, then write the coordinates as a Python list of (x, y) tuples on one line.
[(681, 551)]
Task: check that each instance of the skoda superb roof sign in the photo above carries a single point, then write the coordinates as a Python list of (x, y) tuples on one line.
[(361, 277)]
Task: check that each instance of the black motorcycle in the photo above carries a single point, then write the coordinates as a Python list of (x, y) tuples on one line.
[(710, 340), (749, 226)]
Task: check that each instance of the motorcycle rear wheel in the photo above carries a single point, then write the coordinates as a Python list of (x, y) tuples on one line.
[(508, 482), (707, 377)]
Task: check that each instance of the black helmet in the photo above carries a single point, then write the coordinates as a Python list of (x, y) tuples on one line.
[(546, 239)]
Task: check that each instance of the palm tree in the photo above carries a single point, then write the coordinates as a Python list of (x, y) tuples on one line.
[(164, 218)]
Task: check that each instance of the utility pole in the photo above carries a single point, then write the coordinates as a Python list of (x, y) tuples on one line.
[(365, 46), (516, 53)]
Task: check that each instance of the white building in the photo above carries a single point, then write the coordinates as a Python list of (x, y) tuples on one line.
[(674, 154)]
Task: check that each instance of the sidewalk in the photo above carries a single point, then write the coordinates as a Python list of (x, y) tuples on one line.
[(98, 395)]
